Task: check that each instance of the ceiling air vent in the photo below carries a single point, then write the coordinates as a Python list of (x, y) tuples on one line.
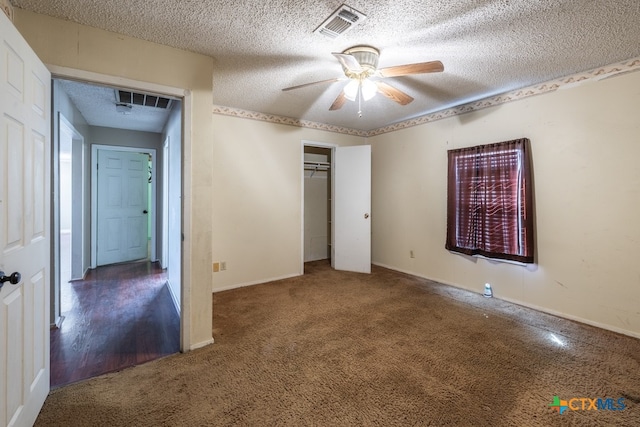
[(136, 98), (340, 21)]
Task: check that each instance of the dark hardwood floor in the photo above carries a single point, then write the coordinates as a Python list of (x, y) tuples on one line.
[(118, 316)]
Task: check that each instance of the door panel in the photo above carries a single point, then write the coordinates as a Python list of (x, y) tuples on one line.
[(24, 229), (123, 187), (351, 249)]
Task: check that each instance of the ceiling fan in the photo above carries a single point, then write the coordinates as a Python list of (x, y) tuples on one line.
[(360, 65)]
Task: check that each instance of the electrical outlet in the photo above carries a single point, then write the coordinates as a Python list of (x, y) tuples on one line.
[(223, 265), (216, 267), (411, 254)]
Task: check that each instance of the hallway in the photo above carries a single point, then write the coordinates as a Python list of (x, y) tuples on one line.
[(120, 315)]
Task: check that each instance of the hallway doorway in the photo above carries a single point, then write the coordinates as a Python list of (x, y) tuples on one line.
[(107, 317), (118, 316)]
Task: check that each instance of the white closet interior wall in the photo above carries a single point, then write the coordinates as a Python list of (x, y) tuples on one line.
[(317, 203)]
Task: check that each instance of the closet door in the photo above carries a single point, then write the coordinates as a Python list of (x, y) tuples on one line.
[(351, 249)]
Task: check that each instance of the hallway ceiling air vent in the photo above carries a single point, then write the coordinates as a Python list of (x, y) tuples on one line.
[(147, 100), (342, 20)]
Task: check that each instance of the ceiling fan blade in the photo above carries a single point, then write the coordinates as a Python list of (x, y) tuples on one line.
[(418, 68), (349, 62), (339, 102), (312, 83), (394, 94)]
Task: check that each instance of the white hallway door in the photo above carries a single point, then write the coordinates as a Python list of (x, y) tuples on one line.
[(25, 102), (351, 222), (123, 190)]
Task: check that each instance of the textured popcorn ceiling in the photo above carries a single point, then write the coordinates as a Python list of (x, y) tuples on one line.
[(98, 107), (259, 47)]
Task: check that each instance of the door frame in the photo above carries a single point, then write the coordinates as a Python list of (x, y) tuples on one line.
[(60, 72), (164, 254), (308, 143), (77, 229), (77, 190), (94, 195)]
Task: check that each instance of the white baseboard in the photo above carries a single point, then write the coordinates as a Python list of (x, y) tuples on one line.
[(524, 304), (174, 298), (201, 344), (575, 318), (58, 323), (256, 282)]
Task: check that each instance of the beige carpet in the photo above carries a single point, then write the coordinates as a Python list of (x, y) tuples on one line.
[(333, 348)]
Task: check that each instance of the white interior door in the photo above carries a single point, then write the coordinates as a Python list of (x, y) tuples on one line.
[(123, 190), (25, 100), (351, 222)]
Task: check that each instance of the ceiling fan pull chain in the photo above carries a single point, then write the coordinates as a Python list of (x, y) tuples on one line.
[(360, 99)]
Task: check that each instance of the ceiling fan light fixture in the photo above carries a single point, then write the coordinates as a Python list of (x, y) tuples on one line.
[(367, 57), (366, 87), (360, 63), (351, 89), (369, 89)]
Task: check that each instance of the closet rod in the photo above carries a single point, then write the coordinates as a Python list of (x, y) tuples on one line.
[(317, 164)]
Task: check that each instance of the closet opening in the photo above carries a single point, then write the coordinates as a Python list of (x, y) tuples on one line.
[(317, 203)]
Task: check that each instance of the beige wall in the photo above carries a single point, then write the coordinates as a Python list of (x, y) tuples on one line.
[(66, 44), (257, 169), (585, 144)]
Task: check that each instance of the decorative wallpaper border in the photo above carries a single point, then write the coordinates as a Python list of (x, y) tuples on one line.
[(7, 8), (515, 95), (244, 114)]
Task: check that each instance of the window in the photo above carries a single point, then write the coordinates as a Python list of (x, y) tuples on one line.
[(490, 201)]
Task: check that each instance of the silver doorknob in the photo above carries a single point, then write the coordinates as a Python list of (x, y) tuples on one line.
[(14, 278)]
